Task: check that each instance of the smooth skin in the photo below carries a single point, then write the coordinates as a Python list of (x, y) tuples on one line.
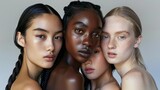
[(118, 45), (99, 71), (41, 45), (81, 31)]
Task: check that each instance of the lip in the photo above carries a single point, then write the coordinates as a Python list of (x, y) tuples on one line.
[(49, 58), (89, 70), (85, 53), (112, 55)]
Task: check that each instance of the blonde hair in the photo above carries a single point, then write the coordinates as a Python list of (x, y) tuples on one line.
[(130, 15)]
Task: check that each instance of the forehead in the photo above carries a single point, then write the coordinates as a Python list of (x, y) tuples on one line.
[(87, 15), (116, 23), (47, 21)]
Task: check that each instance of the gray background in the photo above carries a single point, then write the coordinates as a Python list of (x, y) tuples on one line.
[(148, 11)]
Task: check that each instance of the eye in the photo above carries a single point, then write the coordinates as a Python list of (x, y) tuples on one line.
[(79, 31), (58, 37), (122, 37), (41, 36), (96, 35), (104, 37)]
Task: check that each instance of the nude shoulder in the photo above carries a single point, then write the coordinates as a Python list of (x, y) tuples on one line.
[(73, 80), (31, 85), (71, 74), (134, 80), (111, 86)]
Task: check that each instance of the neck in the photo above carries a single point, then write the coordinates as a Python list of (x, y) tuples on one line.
[(32, 70), (72, 61), (126, 66)]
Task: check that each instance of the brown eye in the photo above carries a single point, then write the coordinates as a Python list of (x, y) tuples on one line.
[(41, 36), (79, 31)]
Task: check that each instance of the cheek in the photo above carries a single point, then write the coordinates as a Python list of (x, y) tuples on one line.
[(58, 46)]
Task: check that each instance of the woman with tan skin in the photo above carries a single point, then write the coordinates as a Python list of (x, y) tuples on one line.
[(82, 24), (39, 38), (121, 37), (99, 72)]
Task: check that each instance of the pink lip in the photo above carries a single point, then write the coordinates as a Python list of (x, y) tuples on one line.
[(49, 58), (112, 55), (89, 70)]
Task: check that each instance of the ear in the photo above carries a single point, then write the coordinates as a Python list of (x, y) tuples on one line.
[(138, 41), (20, 39)]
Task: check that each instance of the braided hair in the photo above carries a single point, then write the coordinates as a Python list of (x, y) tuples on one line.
[(73, 8), (24, 23)]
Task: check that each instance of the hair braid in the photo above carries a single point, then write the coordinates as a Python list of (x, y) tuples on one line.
[(15, 72)]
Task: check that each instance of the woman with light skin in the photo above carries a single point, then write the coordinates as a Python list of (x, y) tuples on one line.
[(39, 37), (99, 72), (82, 24), (122, 34)]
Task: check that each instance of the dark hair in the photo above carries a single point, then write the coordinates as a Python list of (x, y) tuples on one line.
[(24, 23), (75, 6), (69, 11)]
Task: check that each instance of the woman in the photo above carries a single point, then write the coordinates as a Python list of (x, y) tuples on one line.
[(39, 38), (121, 37), (82, 24), (99, 72)]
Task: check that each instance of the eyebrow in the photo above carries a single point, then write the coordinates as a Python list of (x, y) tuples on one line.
[(43, 30), (40, 29), (116, 32), (122, 32), (80, 23)]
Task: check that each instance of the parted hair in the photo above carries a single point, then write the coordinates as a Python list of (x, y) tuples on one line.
[(24, 23)]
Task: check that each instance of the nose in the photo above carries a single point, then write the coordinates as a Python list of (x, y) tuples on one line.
[(88, 62), (86, 41), (112, 44), (50, 45)]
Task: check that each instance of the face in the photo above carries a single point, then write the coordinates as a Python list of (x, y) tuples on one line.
[(96, 66), (43, 40), (118, 40), (82, 34)]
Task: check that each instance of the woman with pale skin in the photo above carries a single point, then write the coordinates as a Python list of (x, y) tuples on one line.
[(99, 72), (39, 37), (121, 37)]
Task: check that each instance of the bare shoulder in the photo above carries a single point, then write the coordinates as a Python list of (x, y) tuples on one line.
[(26, 84), (111, 86), (73, 79), (137, 79), (31, 85)]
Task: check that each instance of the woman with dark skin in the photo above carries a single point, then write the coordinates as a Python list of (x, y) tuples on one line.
[(82, 24), (39, 37)]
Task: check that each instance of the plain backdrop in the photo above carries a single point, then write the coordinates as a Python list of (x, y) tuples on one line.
[(147, 10)]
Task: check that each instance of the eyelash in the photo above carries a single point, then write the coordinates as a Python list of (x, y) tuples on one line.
[(79, 31), (41, 36), (58, 37)]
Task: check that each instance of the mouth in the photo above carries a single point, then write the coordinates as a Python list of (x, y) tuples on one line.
[(49, 58), (89, 70), (112, 55), (85, 53)]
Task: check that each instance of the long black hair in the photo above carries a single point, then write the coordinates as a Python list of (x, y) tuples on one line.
[(24, 23)]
